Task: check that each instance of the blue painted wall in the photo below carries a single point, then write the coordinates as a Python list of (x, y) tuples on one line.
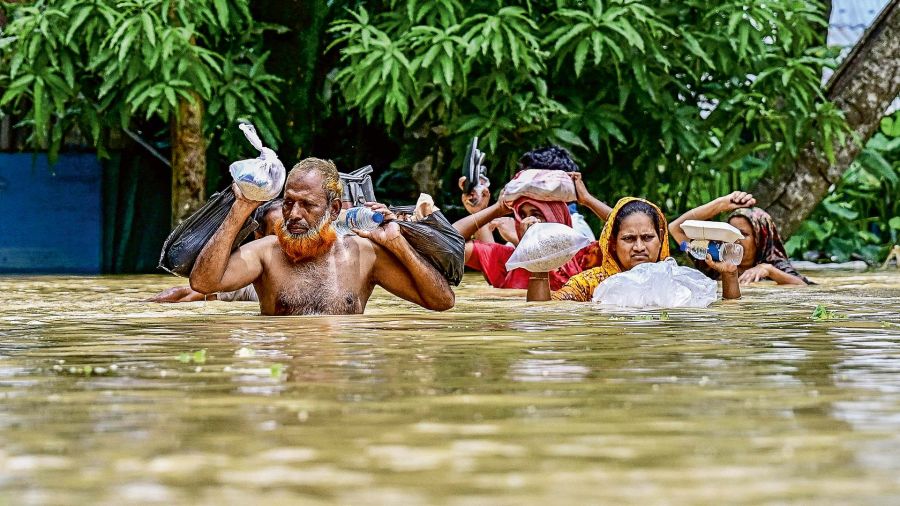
[(51, 219)]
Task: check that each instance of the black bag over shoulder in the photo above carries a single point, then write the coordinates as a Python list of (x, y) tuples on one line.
[(184, 244), (435, 239)]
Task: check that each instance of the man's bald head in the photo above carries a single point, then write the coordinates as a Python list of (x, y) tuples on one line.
[(331, 180)]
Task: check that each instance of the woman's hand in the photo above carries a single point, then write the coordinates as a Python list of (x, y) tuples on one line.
[(754, 274), (581, 192), (476, 200), (528, 222), (721, 267), (507, 228), (735, 200)]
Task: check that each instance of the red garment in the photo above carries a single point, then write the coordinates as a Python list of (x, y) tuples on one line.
[(554, 212)]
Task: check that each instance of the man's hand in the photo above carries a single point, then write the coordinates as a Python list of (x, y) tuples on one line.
[(735, 200), (754, 274), (385, 211), (581, 191), (476, 200), (385, 235)]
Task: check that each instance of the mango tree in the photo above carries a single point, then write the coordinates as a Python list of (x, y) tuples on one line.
[(676, 101), (107, 66)]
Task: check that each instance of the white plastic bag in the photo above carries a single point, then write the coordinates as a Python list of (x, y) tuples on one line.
[(260, 178), (661, 284), (539, 184), (545, 247)]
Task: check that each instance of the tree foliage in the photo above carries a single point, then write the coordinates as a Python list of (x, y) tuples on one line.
[(861, 213), (102, 65), (662, 99)]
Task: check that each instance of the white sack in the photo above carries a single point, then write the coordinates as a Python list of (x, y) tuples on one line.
[(545, 247), (260, 178), (660, 284), (539, 184)]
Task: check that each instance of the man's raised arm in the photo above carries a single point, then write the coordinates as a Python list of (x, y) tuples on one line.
[(216, 268)]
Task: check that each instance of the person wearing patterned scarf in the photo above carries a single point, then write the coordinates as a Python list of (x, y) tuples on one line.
[(635, 233), (764, 253)]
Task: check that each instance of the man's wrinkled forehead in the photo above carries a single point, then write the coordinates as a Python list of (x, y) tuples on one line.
[(304, 183)]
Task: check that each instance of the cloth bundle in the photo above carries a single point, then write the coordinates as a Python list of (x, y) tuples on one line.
[(539, 184)]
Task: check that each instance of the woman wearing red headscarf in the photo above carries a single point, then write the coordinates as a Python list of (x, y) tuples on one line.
[(490, 258)]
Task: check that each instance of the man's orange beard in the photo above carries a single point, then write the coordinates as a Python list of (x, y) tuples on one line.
[(313, 244)]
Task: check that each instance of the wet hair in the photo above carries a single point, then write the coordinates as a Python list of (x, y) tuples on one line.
[(636, 207), (548, 158), (331, 180)]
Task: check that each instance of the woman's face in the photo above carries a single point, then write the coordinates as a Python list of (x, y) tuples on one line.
[(637, 241), (527, 210), (748, 242)]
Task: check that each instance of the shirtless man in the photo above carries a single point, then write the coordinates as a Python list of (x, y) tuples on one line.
[(306, 268)]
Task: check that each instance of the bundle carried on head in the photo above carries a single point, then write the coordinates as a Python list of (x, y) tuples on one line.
[(539, 184)]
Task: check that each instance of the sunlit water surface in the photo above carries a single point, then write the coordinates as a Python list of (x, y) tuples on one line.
[(497, 401)]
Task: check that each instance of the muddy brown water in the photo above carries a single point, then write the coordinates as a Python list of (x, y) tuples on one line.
[(103, 399)]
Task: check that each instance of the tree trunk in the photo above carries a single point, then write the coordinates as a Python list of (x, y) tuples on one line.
[(862, 87), (188, 159)]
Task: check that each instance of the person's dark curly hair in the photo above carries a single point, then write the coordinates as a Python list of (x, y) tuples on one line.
[(548, 158)]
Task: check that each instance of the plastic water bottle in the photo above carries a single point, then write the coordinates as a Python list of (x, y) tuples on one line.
[(360, 218), (720, 252)]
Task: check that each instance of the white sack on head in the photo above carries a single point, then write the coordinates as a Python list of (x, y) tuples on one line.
[(539, 184), (545, 247), (260, 178), (660, 284)]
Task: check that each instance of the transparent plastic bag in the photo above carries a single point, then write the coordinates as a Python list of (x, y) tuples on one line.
[(539, 184), (260, 178), (657, 285), (545, 247)]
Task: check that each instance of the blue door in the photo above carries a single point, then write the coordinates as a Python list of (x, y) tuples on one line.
[(50, 217)]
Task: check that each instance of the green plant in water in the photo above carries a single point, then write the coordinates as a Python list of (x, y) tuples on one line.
[(821, 313), (195, 357), (275, 370)]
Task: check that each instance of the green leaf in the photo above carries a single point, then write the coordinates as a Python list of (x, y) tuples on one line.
[(880, 167), (222, 12), (581, 52), (894, 223), (569, 137), (148, 28), (840, 210)]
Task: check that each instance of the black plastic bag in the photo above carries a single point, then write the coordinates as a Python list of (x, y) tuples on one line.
[(184, 244), (436, 240)]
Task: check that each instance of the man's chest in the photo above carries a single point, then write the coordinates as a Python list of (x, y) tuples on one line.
[(320, 288)]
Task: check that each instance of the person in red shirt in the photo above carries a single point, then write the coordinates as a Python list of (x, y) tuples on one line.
[(489, 257)]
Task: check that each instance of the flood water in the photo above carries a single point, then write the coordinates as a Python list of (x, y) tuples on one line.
[(104, 400)]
